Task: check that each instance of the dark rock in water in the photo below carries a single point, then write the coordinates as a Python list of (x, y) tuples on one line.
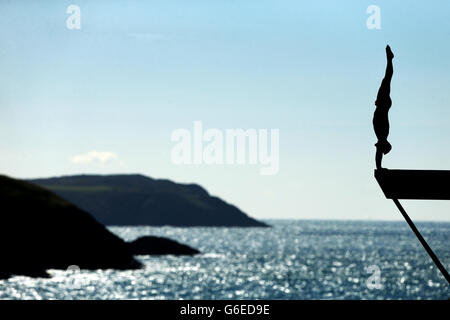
[(129, 200), (150, 245), (42, 231)]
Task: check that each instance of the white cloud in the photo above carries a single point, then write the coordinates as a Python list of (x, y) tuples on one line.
[(96, 157)]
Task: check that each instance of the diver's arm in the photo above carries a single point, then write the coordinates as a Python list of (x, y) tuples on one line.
[(378, 158)]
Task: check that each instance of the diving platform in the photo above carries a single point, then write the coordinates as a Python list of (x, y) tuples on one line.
[(419, 185), (414, 184)]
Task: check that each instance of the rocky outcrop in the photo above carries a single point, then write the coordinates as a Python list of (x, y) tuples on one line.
[(150, 245), (42, 231)]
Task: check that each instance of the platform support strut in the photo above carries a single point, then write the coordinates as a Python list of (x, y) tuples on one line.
[(422, 241)]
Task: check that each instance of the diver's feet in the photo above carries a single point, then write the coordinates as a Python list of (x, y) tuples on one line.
[(389, 53)]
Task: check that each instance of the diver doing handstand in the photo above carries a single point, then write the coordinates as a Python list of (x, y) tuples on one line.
[(380, 116)]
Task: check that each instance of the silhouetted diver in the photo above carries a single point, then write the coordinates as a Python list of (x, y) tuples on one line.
[(380, 116)]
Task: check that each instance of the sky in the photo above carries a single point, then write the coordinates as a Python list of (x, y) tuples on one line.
[(106, 98)]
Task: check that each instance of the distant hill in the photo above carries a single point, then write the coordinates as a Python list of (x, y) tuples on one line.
[(140, 200), (42, 231)]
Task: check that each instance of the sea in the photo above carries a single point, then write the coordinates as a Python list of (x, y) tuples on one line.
[(294, 259)]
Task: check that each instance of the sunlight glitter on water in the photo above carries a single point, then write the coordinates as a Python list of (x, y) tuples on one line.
[(292, 260)]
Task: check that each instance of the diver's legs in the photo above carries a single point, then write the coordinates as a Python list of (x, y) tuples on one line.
[(386, 83), (389, 71), (385, 88)]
